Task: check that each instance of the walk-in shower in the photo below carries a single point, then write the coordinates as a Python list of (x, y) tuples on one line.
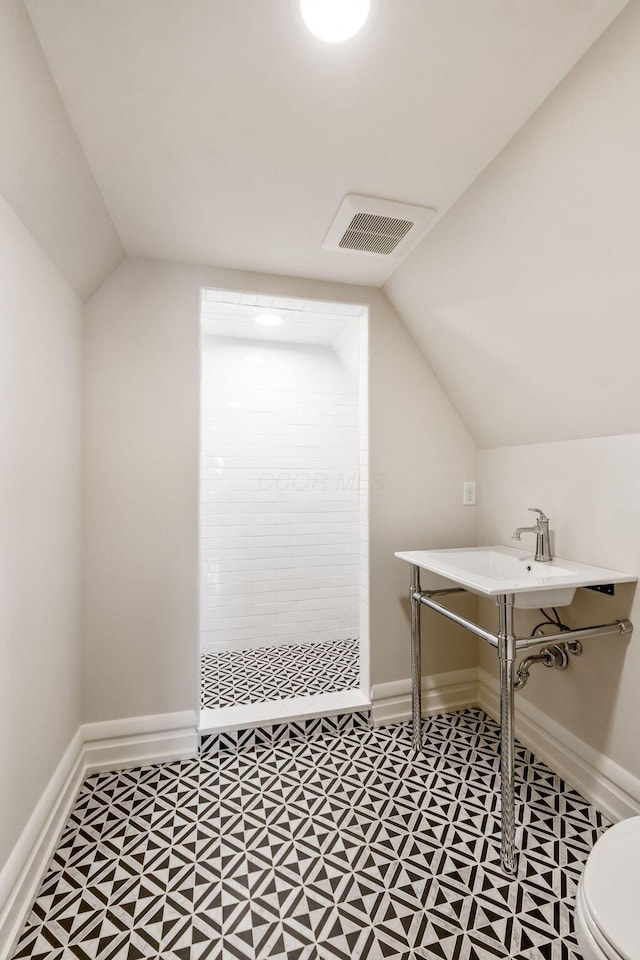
[(283, 499)]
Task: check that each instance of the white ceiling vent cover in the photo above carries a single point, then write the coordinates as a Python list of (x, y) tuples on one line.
[(379, 228)]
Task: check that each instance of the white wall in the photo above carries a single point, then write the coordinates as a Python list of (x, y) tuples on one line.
[(524, 298), (280, 495), (347, 355), (141, 539), (40, 404), (590, 489), (44, 174)]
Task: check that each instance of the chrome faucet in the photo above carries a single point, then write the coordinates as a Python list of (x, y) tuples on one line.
[(541, 530)]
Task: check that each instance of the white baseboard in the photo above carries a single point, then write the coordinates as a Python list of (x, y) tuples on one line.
[(606, 784), (116, 744), (23, 871), (112, 745), (440, 692)]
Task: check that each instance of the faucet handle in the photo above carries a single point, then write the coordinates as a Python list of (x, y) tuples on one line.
[(538, 510)]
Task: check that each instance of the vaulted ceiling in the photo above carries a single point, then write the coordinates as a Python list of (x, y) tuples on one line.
[(525, 299), (221, 131)]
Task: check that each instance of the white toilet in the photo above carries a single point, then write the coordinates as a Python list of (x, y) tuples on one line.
[(607, 912)]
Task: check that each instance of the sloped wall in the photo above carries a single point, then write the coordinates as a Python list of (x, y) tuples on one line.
[(524, 299), (44, 174), (141, 463), (525, 302)]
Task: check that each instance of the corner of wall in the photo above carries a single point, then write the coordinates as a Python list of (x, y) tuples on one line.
[(111, 746)]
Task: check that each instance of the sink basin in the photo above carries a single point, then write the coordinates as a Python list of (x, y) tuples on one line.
[(489, 571)]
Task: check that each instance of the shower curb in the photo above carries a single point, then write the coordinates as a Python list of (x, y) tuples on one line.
[(312, 728)]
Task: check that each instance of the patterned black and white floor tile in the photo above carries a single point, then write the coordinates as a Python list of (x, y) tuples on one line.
[(278, 673), (350, 847), (267, 736)]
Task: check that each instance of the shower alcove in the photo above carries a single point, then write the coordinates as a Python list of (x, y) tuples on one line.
[(283, 510)]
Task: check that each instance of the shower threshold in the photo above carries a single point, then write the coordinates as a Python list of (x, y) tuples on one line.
[(247, 716)]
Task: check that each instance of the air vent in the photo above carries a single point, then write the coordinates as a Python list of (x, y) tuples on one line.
[(374, 234), (382, 228)]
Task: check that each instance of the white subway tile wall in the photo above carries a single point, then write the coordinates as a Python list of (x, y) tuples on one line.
[(362, 334), (280, 495)]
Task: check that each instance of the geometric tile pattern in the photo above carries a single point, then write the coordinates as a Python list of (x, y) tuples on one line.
[(268, 736), (348, 847), (235, 677)]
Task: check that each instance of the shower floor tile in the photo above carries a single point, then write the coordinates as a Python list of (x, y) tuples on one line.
[(239, 677), (350, 847)]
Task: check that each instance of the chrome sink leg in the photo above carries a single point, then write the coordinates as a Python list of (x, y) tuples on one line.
[(507, 655), (416, 676)]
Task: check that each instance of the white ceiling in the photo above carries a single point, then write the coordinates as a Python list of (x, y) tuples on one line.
[(221, 132), (225, 314)]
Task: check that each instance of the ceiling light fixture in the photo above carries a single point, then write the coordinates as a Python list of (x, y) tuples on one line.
[(268, 319), (334, 20)]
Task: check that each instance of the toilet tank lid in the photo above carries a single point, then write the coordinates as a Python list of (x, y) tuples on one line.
[(611, 886)]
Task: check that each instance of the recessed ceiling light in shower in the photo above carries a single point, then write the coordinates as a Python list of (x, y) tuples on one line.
[(334, 20), (268, 319)]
